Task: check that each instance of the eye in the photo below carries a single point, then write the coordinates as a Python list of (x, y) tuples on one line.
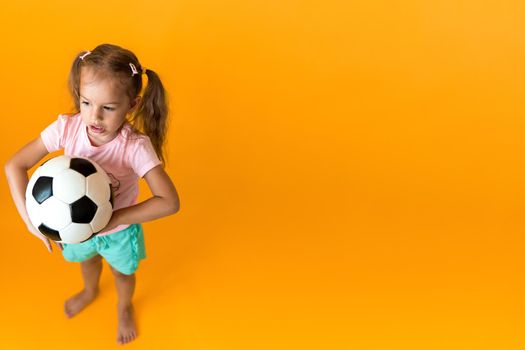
[(84, 103), (109, 108)]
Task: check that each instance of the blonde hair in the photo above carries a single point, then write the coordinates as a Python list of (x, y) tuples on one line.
[(151, 116)]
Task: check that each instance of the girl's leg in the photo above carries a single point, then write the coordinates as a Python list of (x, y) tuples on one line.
[(91, 271), (126, 321)]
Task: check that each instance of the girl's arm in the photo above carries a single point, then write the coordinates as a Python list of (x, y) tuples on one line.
[(16, 170), (164, 202)]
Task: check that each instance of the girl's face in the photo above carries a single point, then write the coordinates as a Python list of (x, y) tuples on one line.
[(103, 105)]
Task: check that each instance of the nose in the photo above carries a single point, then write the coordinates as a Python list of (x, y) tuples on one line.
[(96, 114)]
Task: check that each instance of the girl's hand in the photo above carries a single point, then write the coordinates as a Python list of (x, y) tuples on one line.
[(113, 222), (43, 238)]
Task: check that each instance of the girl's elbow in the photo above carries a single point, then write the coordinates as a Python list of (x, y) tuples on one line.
[(8, 166), (175, 202), (170, 206), (13, 164), (175, 207)]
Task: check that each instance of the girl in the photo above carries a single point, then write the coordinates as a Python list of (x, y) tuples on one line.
[(124, 131)]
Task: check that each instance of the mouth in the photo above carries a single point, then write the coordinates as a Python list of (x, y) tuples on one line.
[(96, 129)]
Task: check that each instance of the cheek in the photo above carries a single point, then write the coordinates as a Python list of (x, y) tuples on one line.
[(83, 108)]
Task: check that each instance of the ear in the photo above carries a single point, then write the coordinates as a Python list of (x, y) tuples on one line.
[(134, 103)]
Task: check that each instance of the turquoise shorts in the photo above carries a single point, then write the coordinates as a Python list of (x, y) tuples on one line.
[(122, 250)]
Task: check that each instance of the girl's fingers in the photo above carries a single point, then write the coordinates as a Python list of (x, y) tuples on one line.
[(48, 245), (43, 238), (59, 245)]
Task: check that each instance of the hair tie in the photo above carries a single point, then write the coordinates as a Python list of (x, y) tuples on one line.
[(135, 71), (84, 55)]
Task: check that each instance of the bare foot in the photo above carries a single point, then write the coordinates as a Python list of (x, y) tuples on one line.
[(77, 302), (127, 331)]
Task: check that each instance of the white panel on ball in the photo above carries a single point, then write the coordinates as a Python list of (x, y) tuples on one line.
[(33, 211), (55, 214), (55, 165), (69, 186), (102, 171), (97, 188), (102, 217), (75, 233)]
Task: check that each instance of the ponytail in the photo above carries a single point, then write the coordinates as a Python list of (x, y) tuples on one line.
[(152, 115), (74, 81)]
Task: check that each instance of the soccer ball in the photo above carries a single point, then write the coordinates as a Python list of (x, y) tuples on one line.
[(69, 199)]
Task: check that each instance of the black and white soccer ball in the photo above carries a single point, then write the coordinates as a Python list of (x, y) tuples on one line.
[(69, 199)]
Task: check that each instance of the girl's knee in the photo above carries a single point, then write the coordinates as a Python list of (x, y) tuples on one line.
[(121, 275), (97, 259)]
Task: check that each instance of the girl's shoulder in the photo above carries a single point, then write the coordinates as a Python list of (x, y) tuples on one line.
[(135, 140), (66, 117), (66, 121), (69, 115), (131, 134)]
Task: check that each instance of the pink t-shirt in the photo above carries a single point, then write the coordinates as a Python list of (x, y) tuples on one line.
[(126, 158)]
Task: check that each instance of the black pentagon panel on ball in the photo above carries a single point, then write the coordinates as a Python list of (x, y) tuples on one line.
[(49, 232), (83, 166), (83, 210), (43, 189)]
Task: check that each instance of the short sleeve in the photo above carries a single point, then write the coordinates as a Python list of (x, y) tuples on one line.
[(54, 135), (143, 157)]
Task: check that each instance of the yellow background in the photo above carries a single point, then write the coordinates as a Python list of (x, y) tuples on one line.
[(350, 174)]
